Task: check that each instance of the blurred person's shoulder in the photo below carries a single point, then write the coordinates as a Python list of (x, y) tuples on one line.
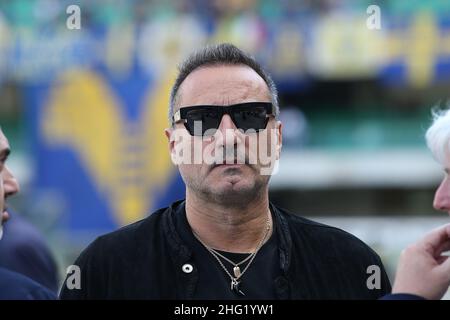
[(23, 249), (14, 286), (20, 237), (21, 231)]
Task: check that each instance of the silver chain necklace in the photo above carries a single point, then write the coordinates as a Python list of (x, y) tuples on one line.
[(235, 280)]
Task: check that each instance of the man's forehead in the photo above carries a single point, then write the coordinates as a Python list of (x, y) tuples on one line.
[(223, 85)]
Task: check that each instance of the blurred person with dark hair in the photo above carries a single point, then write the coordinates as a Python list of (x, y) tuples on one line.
[(225, 240), (23, 249), (14, 285), (422, 270)]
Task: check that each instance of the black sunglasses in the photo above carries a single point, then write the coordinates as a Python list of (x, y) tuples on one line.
[(250, 115)]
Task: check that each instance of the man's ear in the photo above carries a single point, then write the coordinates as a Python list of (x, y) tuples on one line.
[(169, 134), (279, 131)]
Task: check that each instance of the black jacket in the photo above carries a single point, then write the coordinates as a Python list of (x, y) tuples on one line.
[(145, 261)]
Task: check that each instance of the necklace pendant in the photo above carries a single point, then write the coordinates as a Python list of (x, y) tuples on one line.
[(235, 287), (237, 271)]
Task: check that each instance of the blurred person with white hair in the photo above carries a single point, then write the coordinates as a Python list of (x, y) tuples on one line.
[(423, 271)]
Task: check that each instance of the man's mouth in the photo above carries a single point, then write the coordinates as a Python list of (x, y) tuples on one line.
[(229, 164)]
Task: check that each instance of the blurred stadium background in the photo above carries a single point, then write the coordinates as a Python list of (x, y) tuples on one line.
[(85, 109)]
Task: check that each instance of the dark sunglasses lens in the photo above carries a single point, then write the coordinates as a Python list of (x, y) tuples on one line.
[(251, 118), (207, 119)]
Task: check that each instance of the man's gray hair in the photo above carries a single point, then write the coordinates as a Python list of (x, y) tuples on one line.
[(438, 136), (221, 54)]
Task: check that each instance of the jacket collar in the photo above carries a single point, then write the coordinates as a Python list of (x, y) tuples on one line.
[(181, 253)]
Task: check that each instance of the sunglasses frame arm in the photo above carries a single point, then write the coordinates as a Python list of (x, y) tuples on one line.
[(177, 117)]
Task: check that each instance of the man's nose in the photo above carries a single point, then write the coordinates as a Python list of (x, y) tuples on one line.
[(11, 185), (442, 196), (228, 130), (226, 123)]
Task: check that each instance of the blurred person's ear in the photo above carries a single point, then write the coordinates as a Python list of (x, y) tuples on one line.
[(279, 131)]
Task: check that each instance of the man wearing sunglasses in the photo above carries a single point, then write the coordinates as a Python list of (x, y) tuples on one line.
[(226, 240)]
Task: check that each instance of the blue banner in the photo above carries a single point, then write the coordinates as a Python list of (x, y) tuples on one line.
[(99, 145)]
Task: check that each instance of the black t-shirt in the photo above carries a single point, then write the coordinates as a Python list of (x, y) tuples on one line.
[(214, 283)]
